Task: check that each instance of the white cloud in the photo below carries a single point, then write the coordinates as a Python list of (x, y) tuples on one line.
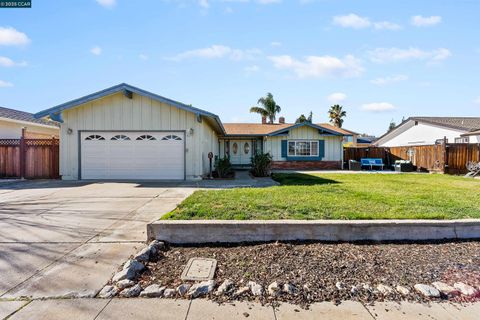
[(11, 37), (357, 22), (276, 44), (7, 62), (204, 4), (319, 66), (217, 52), (378, 107), (337, 97), (386, 25), (107, 3), (5, 84), (252, 69), (268, 1), (477, 100), (96, 50), (352, 21), (384, 55), (143, 56), (388, 80), (421, 21)]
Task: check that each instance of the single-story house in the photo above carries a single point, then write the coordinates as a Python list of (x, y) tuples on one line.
[(430, 130), (124, 132), (12, 122)]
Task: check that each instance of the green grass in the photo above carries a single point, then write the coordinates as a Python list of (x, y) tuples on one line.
[(340, 196)]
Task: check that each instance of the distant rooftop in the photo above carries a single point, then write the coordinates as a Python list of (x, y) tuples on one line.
[(23, 116), (460, 123), (265, 129)]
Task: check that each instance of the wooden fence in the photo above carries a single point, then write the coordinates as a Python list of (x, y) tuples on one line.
[(446, 158), (29, 158)]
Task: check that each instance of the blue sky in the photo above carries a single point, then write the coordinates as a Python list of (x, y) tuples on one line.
[(381, 60)]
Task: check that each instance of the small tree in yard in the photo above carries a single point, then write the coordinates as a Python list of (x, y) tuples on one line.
[(261, 164), (392, 125), (223, 167)]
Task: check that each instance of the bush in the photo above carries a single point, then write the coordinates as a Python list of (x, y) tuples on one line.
[(261, 165), (223, 167)]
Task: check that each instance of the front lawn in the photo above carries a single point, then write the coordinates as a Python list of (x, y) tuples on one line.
[(340, 196)]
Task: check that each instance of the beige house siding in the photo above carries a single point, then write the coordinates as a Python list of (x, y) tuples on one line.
[(117, 113), (11, 129), (333, 144)]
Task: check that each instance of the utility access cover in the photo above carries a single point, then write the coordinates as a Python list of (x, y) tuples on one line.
[(198, 269)]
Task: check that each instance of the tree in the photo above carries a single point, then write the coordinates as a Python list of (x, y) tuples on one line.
[(392, 125), (336, 115), (303, 119), (268, 109)]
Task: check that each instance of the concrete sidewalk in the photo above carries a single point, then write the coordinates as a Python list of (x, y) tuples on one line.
[(166, 309)]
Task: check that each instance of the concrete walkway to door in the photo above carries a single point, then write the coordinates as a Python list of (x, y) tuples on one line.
[(66, 239)]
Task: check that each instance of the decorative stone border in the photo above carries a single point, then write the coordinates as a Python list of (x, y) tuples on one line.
[(211, 231)]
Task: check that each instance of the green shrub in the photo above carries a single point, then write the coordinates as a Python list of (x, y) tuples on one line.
[(261, 164), (223, 167)]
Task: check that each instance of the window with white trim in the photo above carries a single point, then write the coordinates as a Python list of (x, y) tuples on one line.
[(303, 148)]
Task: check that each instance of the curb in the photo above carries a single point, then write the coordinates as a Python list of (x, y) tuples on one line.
[(231, 231)]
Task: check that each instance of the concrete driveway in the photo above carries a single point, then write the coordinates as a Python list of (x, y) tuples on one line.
[(66, 239)]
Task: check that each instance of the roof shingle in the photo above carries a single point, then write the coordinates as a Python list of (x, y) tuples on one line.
[(260, 129), (23, 116)]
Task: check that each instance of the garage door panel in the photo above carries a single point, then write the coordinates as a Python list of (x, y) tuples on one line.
[(119, 155)]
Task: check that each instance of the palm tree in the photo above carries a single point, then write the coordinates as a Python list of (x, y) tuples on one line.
[(336, 114), (269, 107)]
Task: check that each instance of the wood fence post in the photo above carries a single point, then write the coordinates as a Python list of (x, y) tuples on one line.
[(23, 154), (444, 155), (52, 159)]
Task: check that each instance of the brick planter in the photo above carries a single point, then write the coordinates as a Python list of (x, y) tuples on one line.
[(307, 165)]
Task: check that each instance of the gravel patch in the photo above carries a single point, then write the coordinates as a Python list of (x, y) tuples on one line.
[(311, 272)]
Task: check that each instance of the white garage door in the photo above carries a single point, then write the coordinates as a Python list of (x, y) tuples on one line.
[(132, 155)]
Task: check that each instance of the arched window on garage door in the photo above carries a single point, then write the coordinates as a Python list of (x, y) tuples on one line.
[(94, 137), (120, 137), (171, 137), (146, 137)]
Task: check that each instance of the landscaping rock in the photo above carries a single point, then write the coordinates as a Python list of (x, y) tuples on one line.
[(183, 288), (125, 283), (340, 285), (124, 274), (257, 290), (202, 288), (169, 293), (445, 288), (288, 288), (367, 287), (403, 290), (465, 289), (144, 254), (273, 289), (134, 265), (108, 292), (224, 287), (354, 289), (241, 291), (158, 245), (131, 292), (427, 291), (384, 289), (152, 291)]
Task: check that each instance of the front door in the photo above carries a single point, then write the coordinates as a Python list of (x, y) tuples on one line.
[(240, 152)]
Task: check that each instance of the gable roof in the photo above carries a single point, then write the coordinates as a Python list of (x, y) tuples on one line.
[(56, 111), (459, 123), (466, 124), (23, 116), (259, 129)]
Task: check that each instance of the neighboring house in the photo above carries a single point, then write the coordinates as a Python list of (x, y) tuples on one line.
[(13, 121), (431, 130), (124, 132)]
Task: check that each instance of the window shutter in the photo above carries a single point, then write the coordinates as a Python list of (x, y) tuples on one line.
[(284, 148), (321, 148)]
